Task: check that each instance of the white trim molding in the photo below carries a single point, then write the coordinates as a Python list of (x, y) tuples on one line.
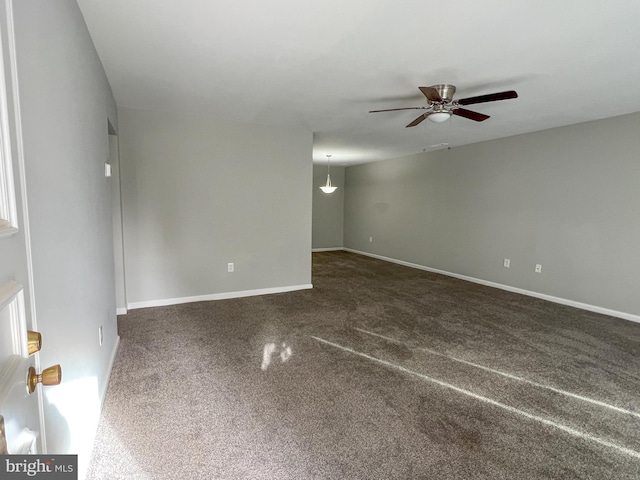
[(112, 360), (8, 209), (543, 296), (13, 327), (216, 296), (330, 249), (12, 298)]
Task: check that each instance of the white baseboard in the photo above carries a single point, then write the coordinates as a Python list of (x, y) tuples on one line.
[(216, 296), (108, 373), (330, 249), (84, 455), (543, 296), (121, 311)]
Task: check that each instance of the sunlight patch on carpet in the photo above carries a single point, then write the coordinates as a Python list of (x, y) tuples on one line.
[(507, 375), (569, 430)]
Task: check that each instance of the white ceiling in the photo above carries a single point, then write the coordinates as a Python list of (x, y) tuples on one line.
[(325, 63)]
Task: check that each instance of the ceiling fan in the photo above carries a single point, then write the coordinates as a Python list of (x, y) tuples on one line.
[(441, 104)]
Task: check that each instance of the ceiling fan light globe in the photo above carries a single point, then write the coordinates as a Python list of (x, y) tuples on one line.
[(439, 117)]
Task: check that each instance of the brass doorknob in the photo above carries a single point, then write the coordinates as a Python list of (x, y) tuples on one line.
[(34, 341), (49, 376)]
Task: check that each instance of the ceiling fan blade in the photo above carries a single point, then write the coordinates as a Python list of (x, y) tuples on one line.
[(396, 109), (431, 94), (463, 112), (491, 97), (417, 121)]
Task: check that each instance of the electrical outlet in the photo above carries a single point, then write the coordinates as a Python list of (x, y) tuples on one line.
[(538, 268), (370, 239), (507, 263), (230, 267), (100, 337)]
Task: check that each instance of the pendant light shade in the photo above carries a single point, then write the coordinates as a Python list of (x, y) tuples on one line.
[(328, 188)]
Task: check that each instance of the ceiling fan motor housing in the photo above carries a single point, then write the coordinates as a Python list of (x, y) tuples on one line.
[(446, 91)]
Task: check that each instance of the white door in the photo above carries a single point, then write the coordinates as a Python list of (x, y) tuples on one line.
[(20, 410)]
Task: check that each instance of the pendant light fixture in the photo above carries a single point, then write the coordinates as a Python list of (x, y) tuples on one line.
[(328, 188)]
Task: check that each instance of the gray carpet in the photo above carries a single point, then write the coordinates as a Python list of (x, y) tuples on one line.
[(379, 372)]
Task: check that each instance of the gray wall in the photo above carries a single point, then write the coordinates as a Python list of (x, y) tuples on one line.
[(566, 198), (65, 103), (328, 210), (198, 194)]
